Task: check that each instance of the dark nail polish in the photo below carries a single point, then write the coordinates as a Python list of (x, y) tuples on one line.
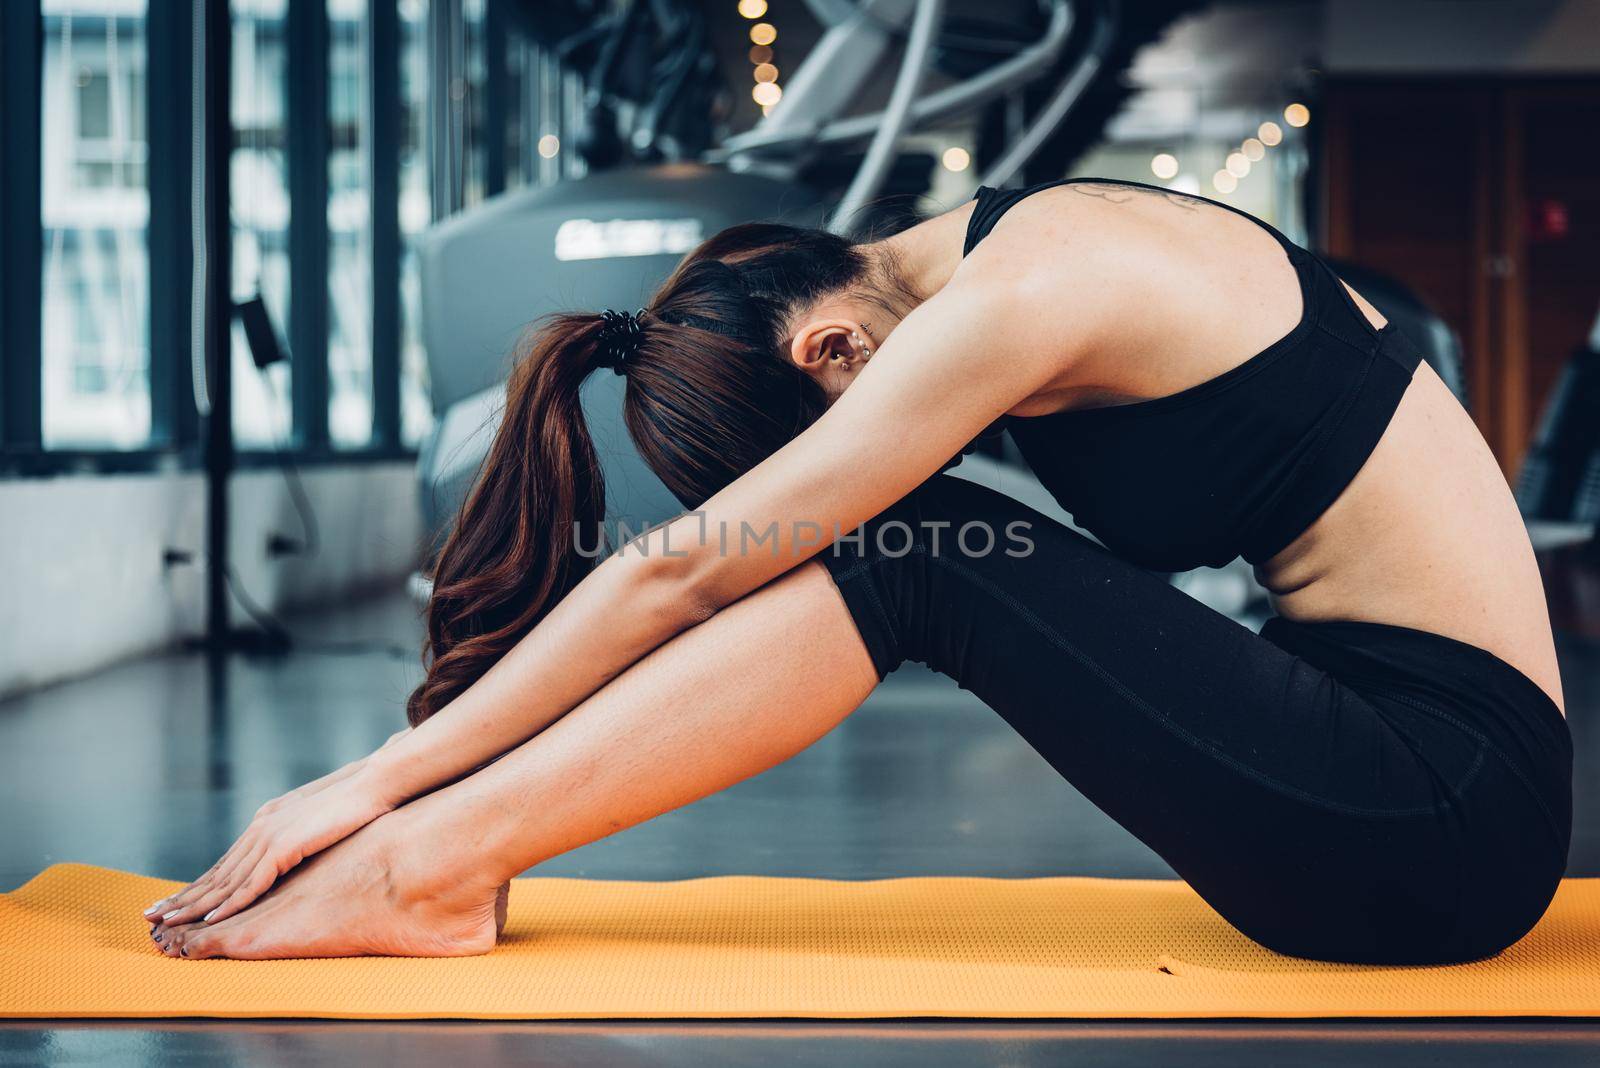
[(184, 951)]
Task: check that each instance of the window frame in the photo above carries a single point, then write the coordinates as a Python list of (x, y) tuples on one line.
[(174, 442)]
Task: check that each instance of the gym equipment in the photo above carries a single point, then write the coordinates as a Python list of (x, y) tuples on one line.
[(608, 238), (71, 945), (604, 241), (1560, 479)]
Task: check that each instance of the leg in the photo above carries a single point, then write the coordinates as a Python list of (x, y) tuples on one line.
[(1320, 821), (1317, 822), (746, 690)]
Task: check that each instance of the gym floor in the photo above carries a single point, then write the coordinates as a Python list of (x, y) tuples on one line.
[(153, 766)]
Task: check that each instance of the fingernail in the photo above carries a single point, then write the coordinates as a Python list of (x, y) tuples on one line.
[(169, 915), (213, 912), (153, 909)]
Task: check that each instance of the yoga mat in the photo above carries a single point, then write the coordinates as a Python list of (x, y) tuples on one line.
[(72, 945)]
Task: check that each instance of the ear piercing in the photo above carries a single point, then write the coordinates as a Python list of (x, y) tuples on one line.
[(866, 350)]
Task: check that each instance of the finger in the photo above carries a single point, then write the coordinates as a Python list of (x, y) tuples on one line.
[(199, 906), (157, 908), (185, 908), (259, 882), (167, 911)]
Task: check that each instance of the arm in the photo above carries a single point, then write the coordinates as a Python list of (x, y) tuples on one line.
[(937, 382), (942, 376)]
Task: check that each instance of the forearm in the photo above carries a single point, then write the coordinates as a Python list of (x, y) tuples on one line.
[(626, 607)]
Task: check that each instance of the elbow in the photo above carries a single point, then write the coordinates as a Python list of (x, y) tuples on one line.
[(669, 582)]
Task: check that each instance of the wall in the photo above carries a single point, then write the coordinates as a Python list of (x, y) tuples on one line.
[(84, 584), (1448, 36)]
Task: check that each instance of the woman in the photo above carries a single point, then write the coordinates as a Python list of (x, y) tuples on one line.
[(1382, 775)]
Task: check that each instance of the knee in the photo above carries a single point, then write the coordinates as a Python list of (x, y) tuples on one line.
[(910, 575)]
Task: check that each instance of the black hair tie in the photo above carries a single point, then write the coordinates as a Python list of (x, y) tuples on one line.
[(621, 333)]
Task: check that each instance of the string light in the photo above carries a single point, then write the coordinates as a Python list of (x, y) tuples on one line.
[(1270, 133), (956, 158), (766, 91), (1253, 149), (549, 145), (1224, 182), (1236, 164), (1297, 115), (1164, 165)]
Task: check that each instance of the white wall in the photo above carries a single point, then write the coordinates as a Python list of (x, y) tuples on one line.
[(82, 583), (1461, 36)]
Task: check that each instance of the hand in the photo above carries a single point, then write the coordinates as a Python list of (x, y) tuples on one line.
[(283, 832)]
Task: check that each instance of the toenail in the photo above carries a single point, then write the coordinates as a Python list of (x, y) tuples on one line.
[(184, 951)]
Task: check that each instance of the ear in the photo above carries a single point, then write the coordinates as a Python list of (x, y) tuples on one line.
[(819, 341)]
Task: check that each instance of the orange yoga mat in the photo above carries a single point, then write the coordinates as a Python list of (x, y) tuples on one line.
[(71, 945)]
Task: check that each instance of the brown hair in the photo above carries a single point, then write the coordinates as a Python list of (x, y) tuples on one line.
[(710, 393)]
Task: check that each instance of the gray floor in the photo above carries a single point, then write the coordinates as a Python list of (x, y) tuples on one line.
[(155, 765)]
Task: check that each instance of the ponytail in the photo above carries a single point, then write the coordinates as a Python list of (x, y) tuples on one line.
[(710, 393), (514, 551)]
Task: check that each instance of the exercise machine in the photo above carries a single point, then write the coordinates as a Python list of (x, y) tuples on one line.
[(1558, 488), (609, 238)]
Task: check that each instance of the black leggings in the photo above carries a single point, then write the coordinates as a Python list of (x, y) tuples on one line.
[(1340, 791)]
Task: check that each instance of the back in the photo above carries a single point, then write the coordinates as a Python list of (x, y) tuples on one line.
[(1251, 404)]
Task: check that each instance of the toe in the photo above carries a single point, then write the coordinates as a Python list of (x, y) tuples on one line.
[(233, 937), (173, 939)]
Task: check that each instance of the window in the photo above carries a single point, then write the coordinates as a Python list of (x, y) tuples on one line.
[(416, 213), (349, 227), (538, 120), (95, 208), (258, 178), (97, 343), (474, 113)]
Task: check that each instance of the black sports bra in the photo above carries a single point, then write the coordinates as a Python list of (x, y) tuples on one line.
[(1239, 465)]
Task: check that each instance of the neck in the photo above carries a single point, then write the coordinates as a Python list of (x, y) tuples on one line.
[(924, 256)]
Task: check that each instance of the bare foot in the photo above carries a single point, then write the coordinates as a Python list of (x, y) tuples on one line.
[(371, 894)]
